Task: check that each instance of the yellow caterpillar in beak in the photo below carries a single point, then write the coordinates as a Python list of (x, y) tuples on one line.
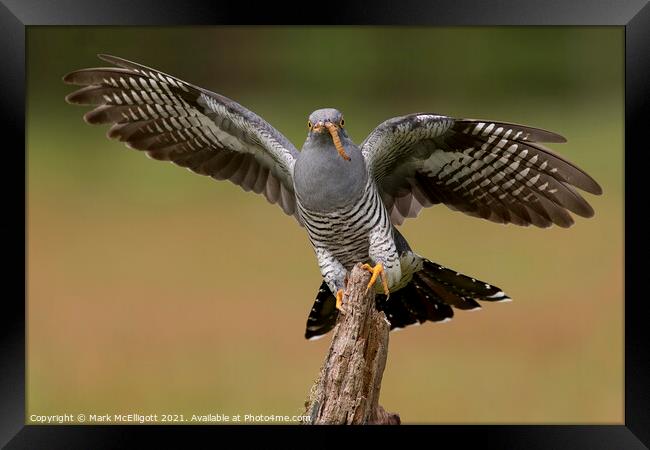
[(334, 132)]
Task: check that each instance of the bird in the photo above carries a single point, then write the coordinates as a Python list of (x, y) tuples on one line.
[(350, 198)]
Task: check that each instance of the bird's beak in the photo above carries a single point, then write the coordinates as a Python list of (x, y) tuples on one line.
[(334, 132)]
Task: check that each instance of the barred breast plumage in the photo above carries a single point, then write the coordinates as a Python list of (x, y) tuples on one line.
[(349, 232)]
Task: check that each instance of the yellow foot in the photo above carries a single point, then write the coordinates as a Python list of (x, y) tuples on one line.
[(339, 299), (376, 271)]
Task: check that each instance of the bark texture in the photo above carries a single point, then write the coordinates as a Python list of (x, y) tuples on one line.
[(347, 389)]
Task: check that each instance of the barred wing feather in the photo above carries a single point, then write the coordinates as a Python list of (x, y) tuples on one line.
[(493, 170), (172, 120)]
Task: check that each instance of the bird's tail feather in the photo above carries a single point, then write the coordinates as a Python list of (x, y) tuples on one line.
[(323, 314), (429, 296)]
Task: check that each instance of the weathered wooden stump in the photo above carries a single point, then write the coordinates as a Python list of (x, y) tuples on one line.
[(347, 389)]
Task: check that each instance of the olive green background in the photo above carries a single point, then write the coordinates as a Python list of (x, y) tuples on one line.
[(155, 290)]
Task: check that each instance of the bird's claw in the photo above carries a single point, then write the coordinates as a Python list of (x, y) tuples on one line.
[(377, 271), (339, 299)]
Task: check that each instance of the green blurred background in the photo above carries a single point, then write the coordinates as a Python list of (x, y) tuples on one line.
[(154, 290)]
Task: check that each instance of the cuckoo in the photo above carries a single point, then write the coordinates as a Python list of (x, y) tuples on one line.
[(350, 198)]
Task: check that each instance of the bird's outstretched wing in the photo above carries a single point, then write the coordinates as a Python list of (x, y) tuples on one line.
[(172, 120), (493, 170)]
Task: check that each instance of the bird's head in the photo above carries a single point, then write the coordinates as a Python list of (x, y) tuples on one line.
[(328, 123)]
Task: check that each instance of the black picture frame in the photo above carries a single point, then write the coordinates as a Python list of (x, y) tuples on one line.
[(633, 15)]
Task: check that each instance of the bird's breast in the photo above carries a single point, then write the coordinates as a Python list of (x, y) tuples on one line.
[(345, 232), (323, 181)]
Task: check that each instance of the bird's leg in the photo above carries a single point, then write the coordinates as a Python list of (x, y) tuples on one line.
[(339, 299), (333, 273), (377, 271)]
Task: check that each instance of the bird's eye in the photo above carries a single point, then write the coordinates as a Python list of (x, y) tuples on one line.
[(342, 122), (309, 124)]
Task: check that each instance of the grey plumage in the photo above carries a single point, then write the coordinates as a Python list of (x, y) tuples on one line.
[(349, 198)]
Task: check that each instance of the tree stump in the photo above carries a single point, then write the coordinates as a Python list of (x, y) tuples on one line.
[(347, 389)]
